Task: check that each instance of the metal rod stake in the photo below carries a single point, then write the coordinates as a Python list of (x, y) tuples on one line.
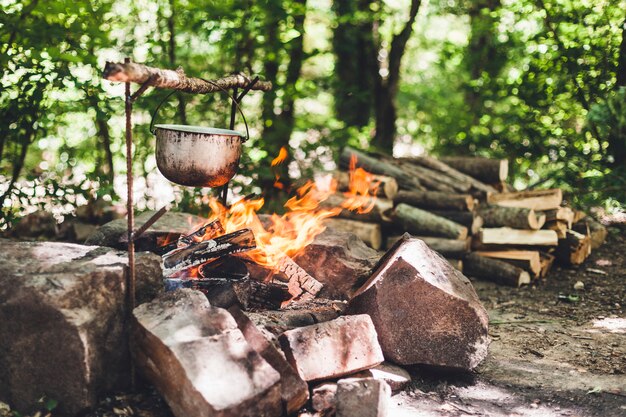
[(131, 220)]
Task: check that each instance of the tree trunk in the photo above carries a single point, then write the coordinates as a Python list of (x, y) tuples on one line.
[(617, 136), (278, 126), (386, 89), (355, 53)]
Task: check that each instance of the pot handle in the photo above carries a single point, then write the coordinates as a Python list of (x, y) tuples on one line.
[(154, 114)]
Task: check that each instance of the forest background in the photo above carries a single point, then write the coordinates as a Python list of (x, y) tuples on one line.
[(539, 82)]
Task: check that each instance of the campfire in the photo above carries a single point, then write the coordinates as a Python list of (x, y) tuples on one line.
[(263, 246)]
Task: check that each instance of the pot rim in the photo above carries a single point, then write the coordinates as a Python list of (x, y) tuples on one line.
[(200, 129)]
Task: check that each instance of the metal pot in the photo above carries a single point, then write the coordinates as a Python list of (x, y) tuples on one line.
[(197, 156)]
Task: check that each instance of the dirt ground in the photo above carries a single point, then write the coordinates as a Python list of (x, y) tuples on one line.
[(555, 351)]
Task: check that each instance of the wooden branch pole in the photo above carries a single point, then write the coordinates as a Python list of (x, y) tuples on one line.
[(128, 72), (205, 251)]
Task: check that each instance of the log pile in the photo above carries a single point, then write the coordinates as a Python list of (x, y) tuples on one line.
[(463, 205)]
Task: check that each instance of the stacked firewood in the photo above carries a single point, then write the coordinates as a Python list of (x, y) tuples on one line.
[(463, 208)]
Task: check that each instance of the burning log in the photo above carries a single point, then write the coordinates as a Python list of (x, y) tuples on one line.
[(469, 219), (268, 295), (378, 166), (387, 186), (436, 200), (379, 213), (515, 217), (198, 253), (537, 200), (370, 233), (207, 231), (495, 270), (176, 80), (420, 222), (490, 171), (452, 173)]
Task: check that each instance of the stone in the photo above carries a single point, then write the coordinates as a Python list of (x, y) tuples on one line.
[(273, 323), (424, 310), (199, 360), (340, 261), (332, 349), (363, 397), (293, 390), (169, 227), (323, 398), (62, 322), (396, 377), (39, 224)]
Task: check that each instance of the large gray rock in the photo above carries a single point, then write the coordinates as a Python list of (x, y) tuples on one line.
[(424, 310), (62, 318), (332, 349), (170, 226), (200, 361), (340, 261)]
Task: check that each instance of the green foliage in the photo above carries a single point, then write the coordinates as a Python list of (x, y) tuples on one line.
[(534, 81)]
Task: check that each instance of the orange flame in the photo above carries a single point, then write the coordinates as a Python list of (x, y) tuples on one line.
[(362, 189), (287, 234), (282, 156)]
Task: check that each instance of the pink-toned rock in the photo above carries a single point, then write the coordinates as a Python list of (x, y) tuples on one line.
[(200, 361), (340, 261), (424, 310), (362, 397), (293, 390), (62, 322), (396, 377), (323, 398), (332, 349)]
